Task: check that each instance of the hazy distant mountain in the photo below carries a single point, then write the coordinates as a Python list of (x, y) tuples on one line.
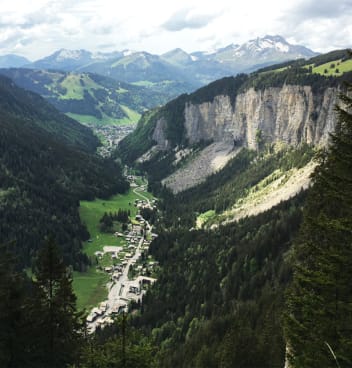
[(136, 67), (260, 51), (69, 60), (148, 70), (177, 57), (12, 61), (177, 71)]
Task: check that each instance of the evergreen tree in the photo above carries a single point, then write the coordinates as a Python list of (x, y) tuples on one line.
[(57, 329), (319, 302), (128, 348), (12, 314)]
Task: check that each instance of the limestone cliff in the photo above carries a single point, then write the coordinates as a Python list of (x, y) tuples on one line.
[(159, 135), (291, 114)]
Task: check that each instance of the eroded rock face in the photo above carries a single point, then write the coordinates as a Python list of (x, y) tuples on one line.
[(159, 135), (291, 114)]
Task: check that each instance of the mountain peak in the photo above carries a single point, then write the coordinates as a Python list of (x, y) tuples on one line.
[(12, 61), (65, 54), (177, 50), (177, 56)]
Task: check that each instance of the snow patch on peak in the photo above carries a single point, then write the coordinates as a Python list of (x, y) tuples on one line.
[(127, 52), (65, 54)]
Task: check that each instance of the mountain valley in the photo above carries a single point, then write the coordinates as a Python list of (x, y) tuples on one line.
[(197, 204)]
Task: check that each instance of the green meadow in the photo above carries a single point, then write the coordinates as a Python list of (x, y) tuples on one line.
[(90, 288), (74, 88), (334, 68)]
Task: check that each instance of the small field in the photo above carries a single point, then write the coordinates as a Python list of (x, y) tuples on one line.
[(333, 68), (90, 287), (92, 211)]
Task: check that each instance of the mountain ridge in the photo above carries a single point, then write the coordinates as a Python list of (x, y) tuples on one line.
[(176, 66)]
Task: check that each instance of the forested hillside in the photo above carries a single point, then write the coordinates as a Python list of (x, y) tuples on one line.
[(89, 98), (47, 164), (33, 110), (219, 296), (220, 292)]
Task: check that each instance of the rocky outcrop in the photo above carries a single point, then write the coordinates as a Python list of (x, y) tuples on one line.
[(197, 169), (159, 134), (291, 114)]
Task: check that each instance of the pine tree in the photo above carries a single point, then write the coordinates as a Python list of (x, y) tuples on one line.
[(57, 326), (319, 302), (12, 314)]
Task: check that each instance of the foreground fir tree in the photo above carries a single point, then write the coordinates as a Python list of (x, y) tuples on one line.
[(121, 346), (58, 330), (319, 302), (12, 311)]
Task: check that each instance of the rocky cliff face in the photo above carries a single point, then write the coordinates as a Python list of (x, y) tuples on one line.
[(291, 114), (159, 135)]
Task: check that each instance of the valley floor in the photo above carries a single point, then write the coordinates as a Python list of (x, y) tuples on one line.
[(120, 265)]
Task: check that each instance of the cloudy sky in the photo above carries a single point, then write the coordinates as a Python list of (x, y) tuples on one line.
[(37, 28)]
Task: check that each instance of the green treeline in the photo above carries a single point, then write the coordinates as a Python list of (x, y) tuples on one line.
[(315, 60), (107, 220), (318, 317)]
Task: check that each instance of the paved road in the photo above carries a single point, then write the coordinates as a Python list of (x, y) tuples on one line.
[(120, 288), (135, 191)]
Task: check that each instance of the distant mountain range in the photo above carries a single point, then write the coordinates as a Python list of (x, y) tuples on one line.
[(175, 68), (118, 86)]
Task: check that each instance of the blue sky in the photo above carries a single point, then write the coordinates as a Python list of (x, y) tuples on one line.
[(37, 28)]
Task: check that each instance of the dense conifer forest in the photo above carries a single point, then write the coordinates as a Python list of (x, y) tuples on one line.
[(48, 163)]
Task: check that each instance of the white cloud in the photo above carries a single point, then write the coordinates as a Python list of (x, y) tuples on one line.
[(37, 28)]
